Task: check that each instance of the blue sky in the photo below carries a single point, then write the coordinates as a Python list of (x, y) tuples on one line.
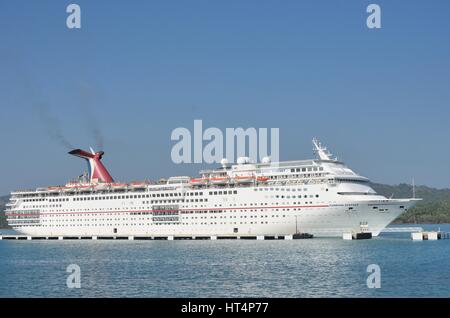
[(139, 69)]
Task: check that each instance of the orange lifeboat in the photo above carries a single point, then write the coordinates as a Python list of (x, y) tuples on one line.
[(244, 179), (219, 180), (118, 185), (84, 188), (54, 189), (262, 179), (138, 184), (198, 181), (102, 186)]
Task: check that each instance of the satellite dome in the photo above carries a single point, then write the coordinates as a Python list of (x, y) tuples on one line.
[(243, 160)]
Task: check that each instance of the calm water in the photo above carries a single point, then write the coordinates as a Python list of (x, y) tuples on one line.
[(301, 268)]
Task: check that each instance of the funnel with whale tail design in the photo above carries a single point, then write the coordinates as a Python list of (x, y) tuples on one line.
[(97, 171)]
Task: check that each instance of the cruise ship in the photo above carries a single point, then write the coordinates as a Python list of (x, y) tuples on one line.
[(321, 196)]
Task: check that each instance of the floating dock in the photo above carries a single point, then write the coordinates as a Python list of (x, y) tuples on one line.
[(430, 235), (132, 238), (348, 236)]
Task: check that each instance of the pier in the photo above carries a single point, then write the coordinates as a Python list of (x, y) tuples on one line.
[(418, 233), (365, 234), (403, 229), (430, 235), (143, 238)]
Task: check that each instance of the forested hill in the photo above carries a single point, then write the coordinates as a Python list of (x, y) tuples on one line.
[(3, 201), (435, 207)]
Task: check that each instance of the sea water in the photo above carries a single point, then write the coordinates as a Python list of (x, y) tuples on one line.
[(318, 267)]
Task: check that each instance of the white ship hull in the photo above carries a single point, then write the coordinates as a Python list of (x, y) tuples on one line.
[(320, 197), (242, 214)]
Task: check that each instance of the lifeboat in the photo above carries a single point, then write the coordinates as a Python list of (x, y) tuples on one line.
[(54, 189), (118, 186), (84, 188), (244, 179), (219, 180), (69, 189), (102, 186), (262, 179), (198, 181), (138, 184)]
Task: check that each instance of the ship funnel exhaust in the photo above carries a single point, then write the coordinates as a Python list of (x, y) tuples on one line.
[(97, 171)]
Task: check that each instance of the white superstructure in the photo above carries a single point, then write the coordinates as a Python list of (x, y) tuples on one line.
[(322, 197)]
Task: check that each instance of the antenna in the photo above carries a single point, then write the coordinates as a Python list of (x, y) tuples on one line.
[(321, 151)]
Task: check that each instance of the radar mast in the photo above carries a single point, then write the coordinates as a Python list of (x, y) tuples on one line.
[(321, 151)]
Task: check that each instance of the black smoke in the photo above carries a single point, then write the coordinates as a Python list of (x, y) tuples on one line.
[(88, 97), (52, 125)]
